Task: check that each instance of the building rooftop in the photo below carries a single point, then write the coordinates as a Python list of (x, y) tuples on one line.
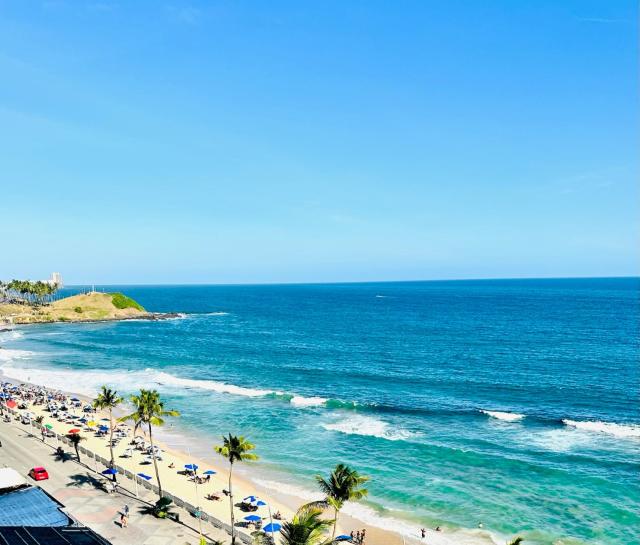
[(24, 535), (31, 507)]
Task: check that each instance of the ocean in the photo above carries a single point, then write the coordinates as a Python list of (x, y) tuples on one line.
[(513, 403)]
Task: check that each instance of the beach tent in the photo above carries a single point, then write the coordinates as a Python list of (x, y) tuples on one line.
[(10, 478)]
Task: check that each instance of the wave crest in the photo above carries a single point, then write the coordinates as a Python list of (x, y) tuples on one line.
[(359, 424), (503, 415), (624, 431)]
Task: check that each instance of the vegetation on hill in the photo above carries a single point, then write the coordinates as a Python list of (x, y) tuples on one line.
[(121, 301), (87, 307)]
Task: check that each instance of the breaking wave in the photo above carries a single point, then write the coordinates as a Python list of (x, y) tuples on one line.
[(501, 415), (359, 424), (624, 431)]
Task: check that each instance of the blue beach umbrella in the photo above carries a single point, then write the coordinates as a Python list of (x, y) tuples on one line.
[(250, 499), (209, 472), (191, 467), (272, 527), (260, 503), (110, 471), (343, 537), (145, 477), (253, 518)]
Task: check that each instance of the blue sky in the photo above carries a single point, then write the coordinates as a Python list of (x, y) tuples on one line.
[(233, 141)]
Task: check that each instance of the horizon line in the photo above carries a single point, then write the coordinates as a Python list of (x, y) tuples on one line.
[(340, 282)]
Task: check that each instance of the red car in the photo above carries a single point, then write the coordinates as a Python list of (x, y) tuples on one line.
[(39, 474)]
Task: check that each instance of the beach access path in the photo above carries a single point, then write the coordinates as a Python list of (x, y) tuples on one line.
[(79, 488)]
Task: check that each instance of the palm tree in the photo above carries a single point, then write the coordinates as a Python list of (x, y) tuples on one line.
[(516, 541), (108, 399), (75, 439), (150, 411), (235, 449), (344, 484), (306, 528)]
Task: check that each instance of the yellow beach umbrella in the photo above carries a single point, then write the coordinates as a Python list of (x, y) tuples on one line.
[(91, 423)]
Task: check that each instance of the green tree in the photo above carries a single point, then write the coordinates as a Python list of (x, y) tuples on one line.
[(516, 541), (149, 411), (235, 449), (344, 484), (75, 439), (306, 528), (108, 399)]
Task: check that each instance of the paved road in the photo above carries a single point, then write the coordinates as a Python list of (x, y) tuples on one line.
[(80, 489)]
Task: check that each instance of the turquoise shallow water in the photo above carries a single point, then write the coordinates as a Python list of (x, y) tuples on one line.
[(514, 403)]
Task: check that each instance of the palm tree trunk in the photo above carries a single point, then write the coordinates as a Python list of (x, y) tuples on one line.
[(335, 522), (111, 441), (155, 464), (233, 528), (111, 435), (77, 452)]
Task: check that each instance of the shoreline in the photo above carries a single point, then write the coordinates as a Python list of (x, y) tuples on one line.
[(243, 485), (289, 497)]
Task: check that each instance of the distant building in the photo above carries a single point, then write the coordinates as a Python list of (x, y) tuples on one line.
[(55, 280)]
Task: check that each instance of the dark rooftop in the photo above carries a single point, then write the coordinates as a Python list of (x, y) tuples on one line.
[(24, 535), (30, 507)]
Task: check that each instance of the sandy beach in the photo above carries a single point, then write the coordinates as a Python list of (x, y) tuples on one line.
[(177, 484)]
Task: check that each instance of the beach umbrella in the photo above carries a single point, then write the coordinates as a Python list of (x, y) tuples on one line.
[(91, 423), (260, 503), (48, 426), (250, 499), (209, 472), (74, 430), (191, 467), (145, 477), (272, 527), (253, 518), (343, 537), (74, 399), (110, 471), (11, 404)]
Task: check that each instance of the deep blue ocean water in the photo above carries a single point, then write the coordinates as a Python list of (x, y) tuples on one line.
[(511, 402)]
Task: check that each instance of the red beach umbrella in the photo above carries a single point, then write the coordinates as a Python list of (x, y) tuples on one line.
[(11, 404), (74, 430)]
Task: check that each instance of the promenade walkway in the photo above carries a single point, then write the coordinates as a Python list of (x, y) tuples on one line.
[(81, 490)]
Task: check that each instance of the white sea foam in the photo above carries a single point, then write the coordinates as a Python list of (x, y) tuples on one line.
[(358, 424), (301, 401), (217, 313), (624, 431), (501, 415), (9, 354), (213, 385), (12, 335)]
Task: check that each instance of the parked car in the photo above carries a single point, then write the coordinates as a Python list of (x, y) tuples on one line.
[(39, 474)]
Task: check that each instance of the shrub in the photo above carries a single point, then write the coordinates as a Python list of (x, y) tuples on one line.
[(78, 310), (121, 301)]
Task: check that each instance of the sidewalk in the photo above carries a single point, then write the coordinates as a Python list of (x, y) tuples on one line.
[(80, 489)]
